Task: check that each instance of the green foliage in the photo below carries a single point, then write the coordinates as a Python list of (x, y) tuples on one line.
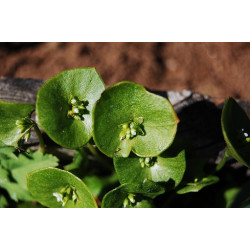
[(58, 188), (3, 201), (12, 121), (230, 195), (127, 123), (14, 169), (26, 163), (197, 185), (97, 184), (62, 94), (132, 195), (128, 109), (79, 163), (167, 167), (236, 130), (6, 152), (15, 191)]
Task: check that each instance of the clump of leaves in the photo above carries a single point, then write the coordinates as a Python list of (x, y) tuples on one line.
[(125, 122)]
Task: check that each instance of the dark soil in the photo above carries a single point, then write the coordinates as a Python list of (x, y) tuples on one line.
[(216, 69)]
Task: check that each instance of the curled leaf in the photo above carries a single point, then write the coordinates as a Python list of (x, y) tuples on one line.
[(236, 131)]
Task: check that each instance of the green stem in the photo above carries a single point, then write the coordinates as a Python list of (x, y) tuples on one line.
[(40, 138), (222, 162), (100, 158)]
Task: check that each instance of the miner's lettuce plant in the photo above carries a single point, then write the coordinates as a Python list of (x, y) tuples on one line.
[(126, 151)]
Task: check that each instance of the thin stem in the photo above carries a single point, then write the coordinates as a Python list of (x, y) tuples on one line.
[(222, 162), (100, 158), (40, 138)]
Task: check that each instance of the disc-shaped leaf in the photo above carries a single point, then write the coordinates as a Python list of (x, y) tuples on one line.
[(57, 188), (10, 115), (236, 130), (153, 117), (65, 103), (132, 196), (198, 185), (167, 167)]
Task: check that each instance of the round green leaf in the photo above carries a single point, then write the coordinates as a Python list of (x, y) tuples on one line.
[(11, 114), (236, 130), (55, 102), (167, 167), (127, 103), (198, 185), (132, 196), (58, 188)]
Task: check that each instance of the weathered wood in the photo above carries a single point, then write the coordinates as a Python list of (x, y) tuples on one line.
[(19, 90), (199, 115)]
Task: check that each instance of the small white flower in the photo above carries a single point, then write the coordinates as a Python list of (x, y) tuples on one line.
[(131, 198), (73, 101), (132, 125), (133, 131), (59, 197), (125, 202), (76, 110)]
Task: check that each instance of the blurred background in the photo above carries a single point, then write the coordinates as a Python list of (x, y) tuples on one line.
[(215, 69)]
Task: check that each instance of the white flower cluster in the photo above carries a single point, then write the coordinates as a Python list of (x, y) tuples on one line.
[(78, 109), (129, 200), (147, 161), (65, 194)]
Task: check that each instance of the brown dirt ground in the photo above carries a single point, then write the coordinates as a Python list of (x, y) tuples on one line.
[(216, 69)]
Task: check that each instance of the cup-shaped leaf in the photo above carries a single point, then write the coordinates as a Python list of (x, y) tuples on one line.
[(132, 195), (65, 104), (236, 130), (127, 117), (13, 124), (57, 188), (167, 167), (196, 186)]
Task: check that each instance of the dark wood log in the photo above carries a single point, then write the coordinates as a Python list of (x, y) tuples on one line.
[(199, 114)]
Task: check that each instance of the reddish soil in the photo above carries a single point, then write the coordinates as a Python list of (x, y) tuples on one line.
[(216, 69)]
